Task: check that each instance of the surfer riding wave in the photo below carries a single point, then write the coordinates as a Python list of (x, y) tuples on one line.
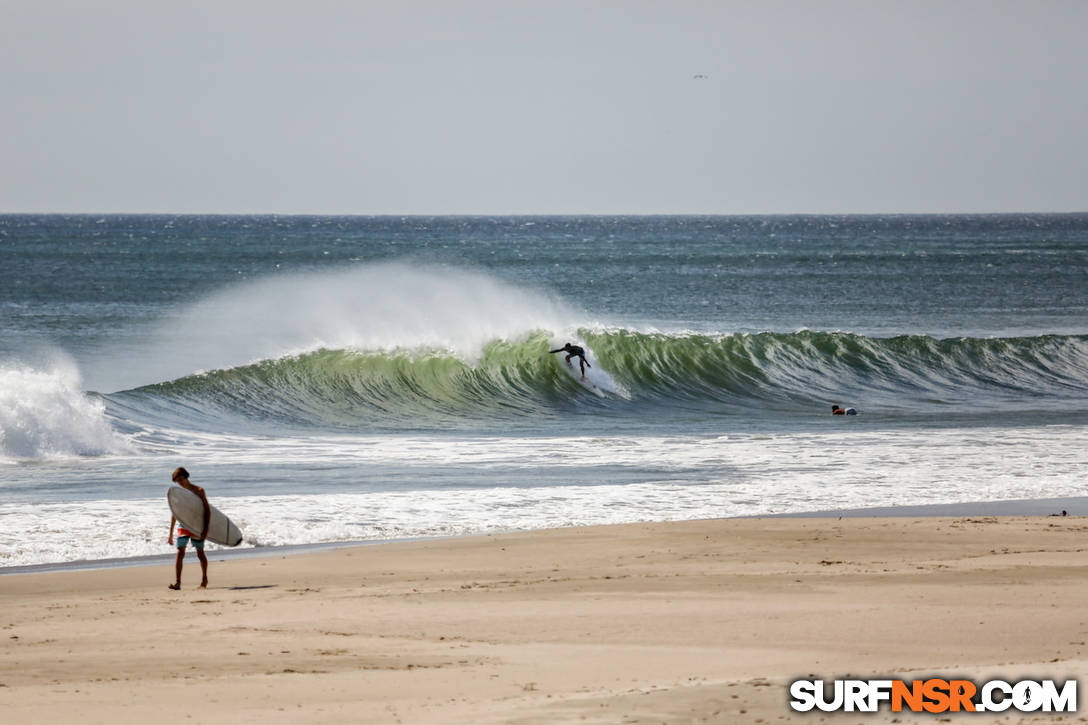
[(574, 351)]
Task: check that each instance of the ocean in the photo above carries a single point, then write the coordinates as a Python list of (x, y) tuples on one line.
[(360, 378)]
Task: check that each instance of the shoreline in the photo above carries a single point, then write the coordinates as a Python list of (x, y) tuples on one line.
[(222, 554), (1073, 506)]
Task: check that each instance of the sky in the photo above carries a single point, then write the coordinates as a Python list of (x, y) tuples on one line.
[(546, 107)]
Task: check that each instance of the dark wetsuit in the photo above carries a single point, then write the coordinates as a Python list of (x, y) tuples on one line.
[(574, 351)]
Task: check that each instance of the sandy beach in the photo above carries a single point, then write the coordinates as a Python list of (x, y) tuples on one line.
[(704, 621)]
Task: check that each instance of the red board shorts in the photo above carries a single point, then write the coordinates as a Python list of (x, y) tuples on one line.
[(183, 541)]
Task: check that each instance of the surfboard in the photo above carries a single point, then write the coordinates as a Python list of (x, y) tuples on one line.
[(575, 371), (188, 509)]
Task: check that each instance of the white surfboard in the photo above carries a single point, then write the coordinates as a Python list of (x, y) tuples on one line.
[(188, 509), (586, 381)]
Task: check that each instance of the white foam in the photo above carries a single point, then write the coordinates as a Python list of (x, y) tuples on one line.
[(683, 478), (45, 414)]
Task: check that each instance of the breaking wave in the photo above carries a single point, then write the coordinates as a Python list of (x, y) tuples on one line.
[(346, 388), (44, 413)]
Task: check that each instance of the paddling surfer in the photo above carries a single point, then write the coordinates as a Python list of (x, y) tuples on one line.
[(574, 351), (181, 477)]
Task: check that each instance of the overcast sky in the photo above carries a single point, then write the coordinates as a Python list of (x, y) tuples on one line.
[(551, 106)]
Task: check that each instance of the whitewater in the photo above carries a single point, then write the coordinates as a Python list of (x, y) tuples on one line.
[(345, 379)]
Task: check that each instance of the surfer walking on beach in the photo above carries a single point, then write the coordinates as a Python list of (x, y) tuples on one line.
[(574, 351), (181, 477)]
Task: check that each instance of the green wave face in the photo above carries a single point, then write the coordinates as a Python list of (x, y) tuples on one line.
[(513, 380), (345, 388), (803, 368)]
